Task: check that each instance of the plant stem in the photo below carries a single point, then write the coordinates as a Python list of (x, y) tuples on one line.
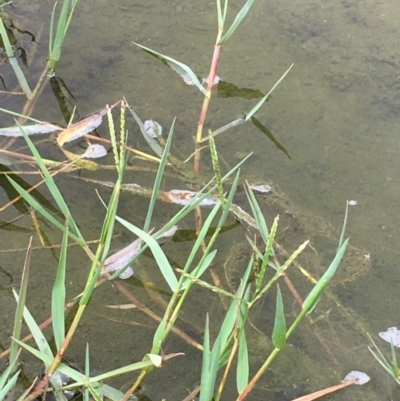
[(206, 101)]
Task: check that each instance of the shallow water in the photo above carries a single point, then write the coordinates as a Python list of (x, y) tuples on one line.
[(336, 114)]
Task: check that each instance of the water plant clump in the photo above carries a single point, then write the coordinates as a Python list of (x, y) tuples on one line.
[(238, 344)]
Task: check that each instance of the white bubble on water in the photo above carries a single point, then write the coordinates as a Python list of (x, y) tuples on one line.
[(352, 202)]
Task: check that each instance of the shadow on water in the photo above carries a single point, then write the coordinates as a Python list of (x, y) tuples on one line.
[(336, 115)]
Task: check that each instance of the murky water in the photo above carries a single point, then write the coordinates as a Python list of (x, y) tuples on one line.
[(337, 114)]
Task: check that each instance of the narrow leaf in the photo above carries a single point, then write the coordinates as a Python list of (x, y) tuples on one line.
[(261, 102), (158, 253), (152, 142), (239, 18), (279, 332), (184, 67), (242, 370), (59, 294), (312, 299)]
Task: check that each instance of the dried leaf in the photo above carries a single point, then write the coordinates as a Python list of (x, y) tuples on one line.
[(183, 197), (83, 127), (124, 306), (32, 129)]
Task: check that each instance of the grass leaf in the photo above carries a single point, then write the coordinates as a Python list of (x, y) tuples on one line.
[(182, 66), (239, 18), (242, 370), (312, 299), (159, 177), (279, 331), (152, 142), (158, 253), (261, 102), (59, 293), (13, 60)]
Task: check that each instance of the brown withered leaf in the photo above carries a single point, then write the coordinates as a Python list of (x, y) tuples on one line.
[(83, 127)]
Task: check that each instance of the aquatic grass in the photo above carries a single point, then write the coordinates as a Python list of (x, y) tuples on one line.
[(62, 340), (230, 344), (57, 36), (13, 61), (391, 367)]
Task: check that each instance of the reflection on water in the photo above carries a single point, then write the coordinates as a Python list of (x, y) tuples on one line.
[(336, 115)]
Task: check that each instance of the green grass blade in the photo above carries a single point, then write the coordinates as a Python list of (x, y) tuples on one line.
[(210, 366), (214, 366), (219, 13), (200, 238), (242, 370), (10, 385), (395, 366), (257, 213), (184, 67), (152, 142), (41, 342), (217, 171), (13, 61), (18, 319), (87, 372), (59, 294), (344, 225), (312, 299), (39, 208), (96, 395), (261, 102), (159, 177), (55, 50), (230, 320), (279, 331), (229, 200), (382, 360), (205, 367), (37, 334), (6, 373), (51, 185), (269, 250), (64, 19), (239, 18), (198, 272), (158, 253)]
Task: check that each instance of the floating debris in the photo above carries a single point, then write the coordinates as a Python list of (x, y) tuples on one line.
[(183, 197), (352, 202), (391, 335), (83, 127), (95, 152), (262, 188), (184, 74), (153, 128), (120, 259), (216, 80), (32, 129), (360, 378)]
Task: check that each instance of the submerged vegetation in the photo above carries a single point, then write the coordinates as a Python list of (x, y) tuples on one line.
[(229, 341)]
